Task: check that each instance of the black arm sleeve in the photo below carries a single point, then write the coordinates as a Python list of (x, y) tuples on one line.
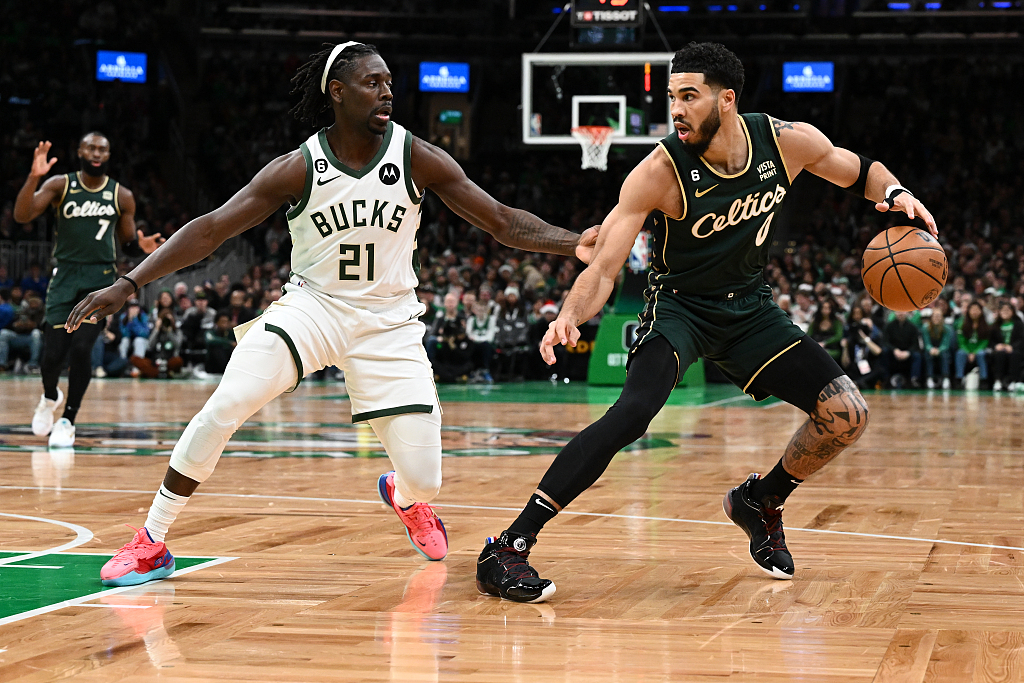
[(132, 248), (860, 185)]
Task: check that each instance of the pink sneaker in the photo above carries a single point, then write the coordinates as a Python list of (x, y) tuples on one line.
[(425, 529), (139, 561)]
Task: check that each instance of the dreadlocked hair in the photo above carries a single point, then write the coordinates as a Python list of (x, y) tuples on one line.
[(313, 103)]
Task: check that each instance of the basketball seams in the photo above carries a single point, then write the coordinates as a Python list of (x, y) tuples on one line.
[(917, 267), (903, 251), (868, 269)]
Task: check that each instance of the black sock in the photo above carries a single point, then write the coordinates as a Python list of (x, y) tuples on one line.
[(70, 413), (777, 484), (538, 512)]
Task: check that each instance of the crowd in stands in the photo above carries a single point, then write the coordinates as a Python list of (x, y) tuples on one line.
[(488, 305)]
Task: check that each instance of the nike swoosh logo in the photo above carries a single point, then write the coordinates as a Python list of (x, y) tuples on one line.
[(422, 543), (321, 181), (700, 193), (108, 271), (544, 505), (73, 191)]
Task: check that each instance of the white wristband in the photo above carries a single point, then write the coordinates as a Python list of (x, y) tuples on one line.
[(889, 190)]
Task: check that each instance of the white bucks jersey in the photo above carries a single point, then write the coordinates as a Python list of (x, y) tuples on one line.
[(354, 231)]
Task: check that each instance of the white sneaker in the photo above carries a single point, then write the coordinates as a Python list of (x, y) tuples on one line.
[(42, 420), (997, 386), (946, 383), (930, 383), (63, 434), (99, 373)]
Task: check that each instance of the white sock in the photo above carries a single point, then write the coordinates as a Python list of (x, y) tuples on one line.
[(401, 500), (163, 512)]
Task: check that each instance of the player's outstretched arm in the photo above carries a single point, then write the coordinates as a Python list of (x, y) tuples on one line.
[(32, 202), (434, 169), (280, 181), (806, 147), (651, 186)]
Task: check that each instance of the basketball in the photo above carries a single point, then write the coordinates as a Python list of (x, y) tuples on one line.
[(904, 268)]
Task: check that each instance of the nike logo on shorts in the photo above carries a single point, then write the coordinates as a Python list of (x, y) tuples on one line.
[(321, 181)]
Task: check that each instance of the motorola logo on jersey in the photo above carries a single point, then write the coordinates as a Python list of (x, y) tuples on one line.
[(320, 165), (87, 209), (389, 174)]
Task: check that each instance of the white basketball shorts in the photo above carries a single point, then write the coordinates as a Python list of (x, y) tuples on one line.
[(380, 349)]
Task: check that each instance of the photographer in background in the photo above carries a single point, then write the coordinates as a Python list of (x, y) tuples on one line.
[(861, 350), (163, 355)]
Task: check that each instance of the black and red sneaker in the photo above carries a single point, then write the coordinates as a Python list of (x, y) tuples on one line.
[(503, 570), (763, 526)]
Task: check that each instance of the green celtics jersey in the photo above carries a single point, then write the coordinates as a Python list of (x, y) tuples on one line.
[(87, 222), (720, 244)]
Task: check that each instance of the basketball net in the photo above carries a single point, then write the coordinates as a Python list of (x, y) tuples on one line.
[(595, 141)]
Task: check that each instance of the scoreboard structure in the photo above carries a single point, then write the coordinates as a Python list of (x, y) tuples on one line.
[(614, 13)]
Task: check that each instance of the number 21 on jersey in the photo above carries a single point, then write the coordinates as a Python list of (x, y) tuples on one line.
[(351, 256)]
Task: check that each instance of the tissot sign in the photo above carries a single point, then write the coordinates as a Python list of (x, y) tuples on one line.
[(605, 13)]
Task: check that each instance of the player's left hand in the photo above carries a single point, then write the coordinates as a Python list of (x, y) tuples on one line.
[(560, 331), (149, 244), (100, 304), (912, 207), (588, 240)]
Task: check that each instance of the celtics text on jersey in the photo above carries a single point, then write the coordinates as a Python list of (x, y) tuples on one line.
[(354, 230), (721, 241), (87, 222)]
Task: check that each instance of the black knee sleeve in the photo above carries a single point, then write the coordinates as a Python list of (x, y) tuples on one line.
[(651, 378)]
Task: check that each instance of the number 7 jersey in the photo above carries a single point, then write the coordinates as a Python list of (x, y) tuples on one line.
[(354, 231), (87, 222)]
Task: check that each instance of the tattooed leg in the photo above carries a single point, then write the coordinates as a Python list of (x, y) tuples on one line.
[(838, 420)]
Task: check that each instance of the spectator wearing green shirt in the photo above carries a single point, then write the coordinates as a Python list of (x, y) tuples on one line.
[(1007, 343), (939, 342), (972, 336)]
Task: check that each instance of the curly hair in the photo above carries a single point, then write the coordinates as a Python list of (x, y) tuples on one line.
[(720, 66), (314, 103)]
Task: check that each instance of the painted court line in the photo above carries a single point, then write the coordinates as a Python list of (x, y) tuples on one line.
[(35, 566), (110, 591), (359, 501), (82, 536)]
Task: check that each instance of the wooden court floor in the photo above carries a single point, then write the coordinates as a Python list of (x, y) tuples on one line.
[(908, 547)]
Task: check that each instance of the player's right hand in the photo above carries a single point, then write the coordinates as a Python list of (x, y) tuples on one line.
[(40, 166), (560, 331), (100, 304)]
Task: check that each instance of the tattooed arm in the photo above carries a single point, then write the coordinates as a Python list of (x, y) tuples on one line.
[(839, 419), (805, 147), (434, 168)]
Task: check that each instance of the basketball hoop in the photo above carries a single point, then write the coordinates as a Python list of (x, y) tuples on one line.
[(595, 141)]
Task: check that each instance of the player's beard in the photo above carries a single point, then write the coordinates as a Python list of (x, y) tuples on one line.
[(705, 134), (94, 171)]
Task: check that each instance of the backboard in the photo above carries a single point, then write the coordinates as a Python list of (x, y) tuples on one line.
[(625, 90)]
